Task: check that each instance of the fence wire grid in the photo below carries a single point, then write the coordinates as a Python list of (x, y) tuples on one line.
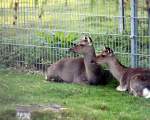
[(36, 33)]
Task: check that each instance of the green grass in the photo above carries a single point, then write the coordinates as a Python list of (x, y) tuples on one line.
[(83, 102)]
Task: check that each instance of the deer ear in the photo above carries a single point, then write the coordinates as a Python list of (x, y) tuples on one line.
[(89, 40), (104, 48), (111, 52)]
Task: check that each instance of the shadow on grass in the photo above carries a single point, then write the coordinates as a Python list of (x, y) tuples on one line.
[(8, 115), (48, 115)]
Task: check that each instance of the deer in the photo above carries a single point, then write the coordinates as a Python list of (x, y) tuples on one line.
[(134, 80), (78, 70)]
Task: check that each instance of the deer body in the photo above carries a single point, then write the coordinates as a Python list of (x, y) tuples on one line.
[(77, 70), (64, 71), (135, 80)]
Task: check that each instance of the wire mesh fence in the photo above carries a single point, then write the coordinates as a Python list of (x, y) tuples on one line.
[(36, 33)]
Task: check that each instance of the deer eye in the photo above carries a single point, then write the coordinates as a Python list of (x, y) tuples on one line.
[(85, 40), (81, 45), (103, 55)]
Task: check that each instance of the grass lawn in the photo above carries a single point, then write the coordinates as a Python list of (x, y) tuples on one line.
[(83, 102)]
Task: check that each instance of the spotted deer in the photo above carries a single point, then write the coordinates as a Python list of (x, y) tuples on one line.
[(135, 80), (78, 70)]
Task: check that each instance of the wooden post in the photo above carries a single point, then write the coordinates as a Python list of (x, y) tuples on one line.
[(16, 6)]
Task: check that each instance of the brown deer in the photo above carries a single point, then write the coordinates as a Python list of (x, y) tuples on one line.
[(78, 70), (135, 80)]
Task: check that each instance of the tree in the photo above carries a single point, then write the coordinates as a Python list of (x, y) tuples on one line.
[(44, 2), (16, 7), (92, 3), (66, 2)]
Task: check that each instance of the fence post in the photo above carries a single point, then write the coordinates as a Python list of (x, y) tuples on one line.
[(134, 33), (121, 16), (148, 13)]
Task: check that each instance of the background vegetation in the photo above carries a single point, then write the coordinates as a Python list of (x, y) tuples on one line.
[(40, 31)]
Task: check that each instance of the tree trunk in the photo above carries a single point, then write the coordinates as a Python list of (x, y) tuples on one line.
[(121, 16), (16, 6)]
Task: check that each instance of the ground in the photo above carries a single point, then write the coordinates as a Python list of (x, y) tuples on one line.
[(84, 102)]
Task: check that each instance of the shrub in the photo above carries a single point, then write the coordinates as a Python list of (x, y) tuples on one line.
[(44, 50)]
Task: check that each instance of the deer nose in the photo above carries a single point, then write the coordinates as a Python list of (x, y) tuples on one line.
[(71, 49)]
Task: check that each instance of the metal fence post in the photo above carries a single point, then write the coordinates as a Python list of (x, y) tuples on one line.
[(121, 16), (134, 33)]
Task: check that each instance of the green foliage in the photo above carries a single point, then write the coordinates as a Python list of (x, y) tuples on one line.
[(46, 49), (59, 39), (118, 42), (66, 40), (58, 43), (29, 57), (8, 54)]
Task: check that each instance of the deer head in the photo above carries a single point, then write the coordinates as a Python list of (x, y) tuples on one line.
[(83, 46), (105, 56)]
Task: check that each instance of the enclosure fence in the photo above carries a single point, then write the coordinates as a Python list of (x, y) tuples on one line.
[(36, 33)]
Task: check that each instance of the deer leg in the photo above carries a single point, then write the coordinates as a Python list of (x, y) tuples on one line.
[(51, 75), (81, 79), (133, 91), (133, 85), (140, 92), (57, 79), (53, 78), (121, 88), (137, 87)]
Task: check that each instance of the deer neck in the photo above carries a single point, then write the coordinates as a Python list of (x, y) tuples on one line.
[(89, 56), (117, 69), (89, 65)]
